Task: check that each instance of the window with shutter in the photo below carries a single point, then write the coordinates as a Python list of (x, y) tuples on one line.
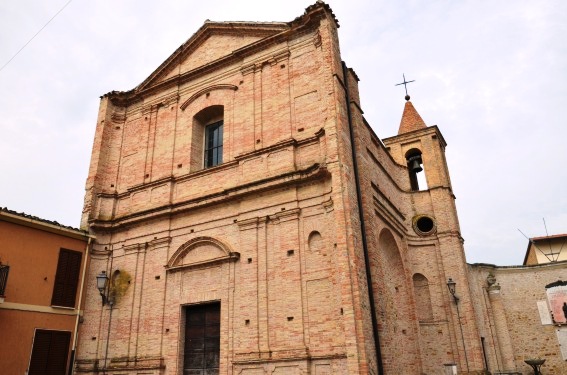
[(66, 278), (49, 352)]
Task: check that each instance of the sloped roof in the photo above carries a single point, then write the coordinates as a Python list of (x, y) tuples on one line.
[(411, 120), (39, 223), (553, 236), (532, 247), (209, 28)]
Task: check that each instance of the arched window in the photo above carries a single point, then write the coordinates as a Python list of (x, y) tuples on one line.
[(415, 166), (424, 311), (207, 138)]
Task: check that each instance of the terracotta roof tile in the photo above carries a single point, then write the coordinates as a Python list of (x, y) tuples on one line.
[(38, 219), (411, 120)]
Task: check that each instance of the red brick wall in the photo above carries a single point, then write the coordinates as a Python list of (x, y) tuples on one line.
[(276, 204), (285, 257)]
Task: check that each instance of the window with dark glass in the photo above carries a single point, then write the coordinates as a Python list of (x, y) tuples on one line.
[(213, 144), (66, 278), (49, 352), (202, 340), (207, 131)]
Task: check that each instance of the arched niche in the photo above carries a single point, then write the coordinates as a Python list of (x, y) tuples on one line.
[(394, 305), (201, 251), (423, 307), (387, 244), (315, 242)]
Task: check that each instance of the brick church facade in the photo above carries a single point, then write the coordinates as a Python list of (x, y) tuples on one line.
[(251, 222)]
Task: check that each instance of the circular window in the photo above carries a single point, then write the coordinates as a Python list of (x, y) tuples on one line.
[(423, 225)]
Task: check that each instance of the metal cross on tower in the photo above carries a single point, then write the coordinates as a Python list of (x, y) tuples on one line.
[(405, 85)]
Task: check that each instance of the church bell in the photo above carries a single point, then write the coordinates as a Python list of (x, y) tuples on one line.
[(415, 164)]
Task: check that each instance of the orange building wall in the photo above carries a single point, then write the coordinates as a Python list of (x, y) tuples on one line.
[(32, 255)]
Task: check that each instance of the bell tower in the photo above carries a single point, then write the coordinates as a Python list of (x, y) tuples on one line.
[(435, 245), (422, 149)]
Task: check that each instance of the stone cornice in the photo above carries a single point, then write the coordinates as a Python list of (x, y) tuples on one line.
[(430, 130), (231, 164), (296, 355), (286, 215), (315, 171), (560, 264)]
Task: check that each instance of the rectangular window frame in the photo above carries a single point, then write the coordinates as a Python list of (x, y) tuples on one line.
[(50, 352), (66, 278), (213, 147)]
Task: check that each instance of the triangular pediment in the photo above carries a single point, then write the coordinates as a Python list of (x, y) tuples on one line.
[(217, 44), (214, 41)]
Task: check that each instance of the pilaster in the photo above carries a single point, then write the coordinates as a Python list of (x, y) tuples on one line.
[(501, 326)]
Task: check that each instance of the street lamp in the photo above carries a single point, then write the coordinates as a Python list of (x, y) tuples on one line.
[(452, 285), (101, 284)]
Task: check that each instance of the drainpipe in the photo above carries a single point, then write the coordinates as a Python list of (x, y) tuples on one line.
[(363, 228), (76, 333)]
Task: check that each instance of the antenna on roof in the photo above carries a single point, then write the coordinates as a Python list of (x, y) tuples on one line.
[(563, 244), (533, 243), (557, 254), (547, 234)]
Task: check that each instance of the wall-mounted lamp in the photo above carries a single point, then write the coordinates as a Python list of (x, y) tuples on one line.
[(102, 284), (452, 285)]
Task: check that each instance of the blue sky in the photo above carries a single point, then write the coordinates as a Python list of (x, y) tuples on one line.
[(491, 74)]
